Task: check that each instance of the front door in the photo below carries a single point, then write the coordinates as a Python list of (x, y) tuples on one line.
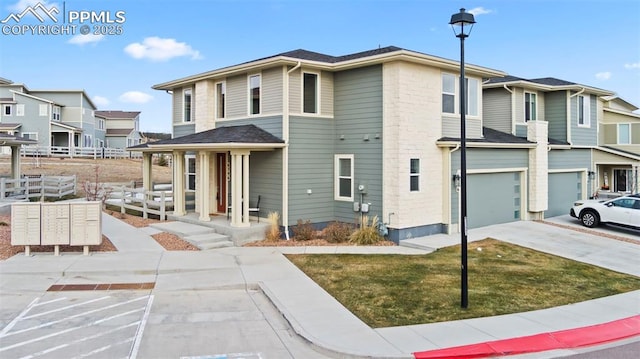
[(221, 182)]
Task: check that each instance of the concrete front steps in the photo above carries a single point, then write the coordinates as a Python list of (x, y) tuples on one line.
[(202, 237)]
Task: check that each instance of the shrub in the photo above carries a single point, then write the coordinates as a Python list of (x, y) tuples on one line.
[(273, 233), (337, 232), (303, 231), (162, 161), (367, 233)]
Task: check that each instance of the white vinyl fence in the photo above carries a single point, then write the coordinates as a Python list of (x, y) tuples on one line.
[(79, 152), (37, 187), (157, 202)]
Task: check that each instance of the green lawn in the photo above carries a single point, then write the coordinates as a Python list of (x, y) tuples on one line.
[(392, 290)]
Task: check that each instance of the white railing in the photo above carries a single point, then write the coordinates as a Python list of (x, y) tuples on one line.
[(80, 152), (38, 187), (157, 202)]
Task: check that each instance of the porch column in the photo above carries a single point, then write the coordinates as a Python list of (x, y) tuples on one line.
[(15, 162), (179, 208), (239, 189), (245, 190), (204, 189), (70, 142), (146, 171)]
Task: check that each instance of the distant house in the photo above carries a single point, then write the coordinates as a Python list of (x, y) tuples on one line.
[(122, 128)]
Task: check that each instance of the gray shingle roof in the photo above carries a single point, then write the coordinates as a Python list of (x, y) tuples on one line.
[(491, 136), (119, 131), (230, 134), (117, 114), (316, 56)]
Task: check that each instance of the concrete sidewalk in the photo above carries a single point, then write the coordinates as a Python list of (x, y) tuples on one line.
[(313, 314)]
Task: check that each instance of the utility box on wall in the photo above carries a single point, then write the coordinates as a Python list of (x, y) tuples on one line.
[(25, 224), (86, 223)]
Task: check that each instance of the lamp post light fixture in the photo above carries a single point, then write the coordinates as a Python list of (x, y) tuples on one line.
[(462, 23)]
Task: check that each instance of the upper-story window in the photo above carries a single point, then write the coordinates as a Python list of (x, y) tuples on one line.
[(450, 100), (43, 109), (101, 124), (55, 113), (254, 94), (20, 109), (530, 106), (584, 111), (624, 134), (7, 110), (221, 92), (310, 92), (187, 105)]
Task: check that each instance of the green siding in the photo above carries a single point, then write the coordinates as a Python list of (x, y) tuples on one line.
[(635, 133), (574, 158), (183, 130), (584, 136), (271, 90), (555, 111), (358, 113), (496, 109), (265, 180), (31, 121), (272, 125)]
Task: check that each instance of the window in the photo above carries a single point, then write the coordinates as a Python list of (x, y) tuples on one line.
[(88, 141), (44, 109), (101, 124), (55, 113), (449, 100), (344, 177), (7, 110), (99, 143), (310, 93), (622, 180), (624, 134), (254, 95), (584, 111), (530, 103), (221, 92), (190, 174), (20, 110), (448, 93), (187, 108), (30, 135), (414, 175)]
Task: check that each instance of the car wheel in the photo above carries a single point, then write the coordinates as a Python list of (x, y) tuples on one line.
[(589, 219)]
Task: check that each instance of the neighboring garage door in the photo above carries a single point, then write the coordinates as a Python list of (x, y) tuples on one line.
[(493, 198), (564, 189)]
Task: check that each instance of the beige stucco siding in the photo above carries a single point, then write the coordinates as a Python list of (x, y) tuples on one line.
[(411, 125)]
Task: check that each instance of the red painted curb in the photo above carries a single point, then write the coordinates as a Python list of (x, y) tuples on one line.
[(564, 339)]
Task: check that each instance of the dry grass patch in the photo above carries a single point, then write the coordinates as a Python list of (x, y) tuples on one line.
[(394, 290)]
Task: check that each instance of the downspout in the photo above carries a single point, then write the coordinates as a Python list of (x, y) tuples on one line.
[(569, 115), (285, 150)]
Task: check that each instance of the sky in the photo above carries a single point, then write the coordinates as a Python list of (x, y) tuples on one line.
[(590, 42)]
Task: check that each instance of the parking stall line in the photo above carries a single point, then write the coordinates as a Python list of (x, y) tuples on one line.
[(50, 301), (18, 318), (67, 307), (106, 347), (143, 323)]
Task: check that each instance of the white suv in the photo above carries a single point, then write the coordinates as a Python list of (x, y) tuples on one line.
[(624, 211)]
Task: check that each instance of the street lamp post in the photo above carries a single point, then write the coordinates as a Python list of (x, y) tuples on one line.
[(462, 23)]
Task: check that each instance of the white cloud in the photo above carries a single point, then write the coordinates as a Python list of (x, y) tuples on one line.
[(635, 65), (603, 75), (101, 101), (135, 97), (479, 11), (157, 49), (85, 39)]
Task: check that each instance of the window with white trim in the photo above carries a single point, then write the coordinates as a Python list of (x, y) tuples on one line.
[(100, 124), (187, 105), (87, 141), (343, 178), (624, 134), (221, 93), (450, 97), (530, 106), (584, 111), (448, 93), (471, 96), (20, 109), (7, 110), (254, 94), (190, 172), (55, 113), (44, 109), (30, 135), (310, 92), (414, 175)]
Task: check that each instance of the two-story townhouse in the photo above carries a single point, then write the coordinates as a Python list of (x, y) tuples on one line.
[(617, 162), (571, 112), (323, 137), (122, 127)]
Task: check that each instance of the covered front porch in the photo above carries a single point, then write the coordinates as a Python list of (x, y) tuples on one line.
[(616, 173), (212, 166)]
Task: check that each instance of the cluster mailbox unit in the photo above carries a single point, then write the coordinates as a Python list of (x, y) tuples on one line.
[(69, 223)]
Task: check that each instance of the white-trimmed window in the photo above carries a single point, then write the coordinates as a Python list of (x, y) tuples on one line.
[(44, 109), (190, 172), (99, 143), (20, 109), (414, 175), (624, 134), (221, 93), (187, 105), (30, 135), (310, 92), (100, 124), (343, 177), (7, 110), (55, 113), (584, 111), (450, 99), (88, 141), (530, 106), (255, 82)]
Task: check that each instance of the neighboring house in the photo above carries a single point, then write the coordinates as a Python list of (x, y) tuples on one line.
[(122, 128), (618, 161), (59, 120), (321, 138)]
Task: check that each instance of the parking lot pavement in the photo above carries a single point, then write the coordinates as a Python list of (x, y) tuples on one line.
[(607, 229)]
